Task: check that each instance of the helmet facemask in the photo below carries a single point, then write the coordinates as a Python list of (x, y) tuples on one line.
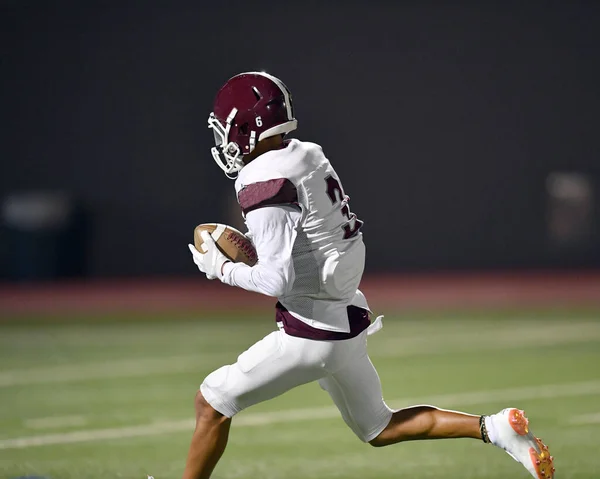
[(227, 154)]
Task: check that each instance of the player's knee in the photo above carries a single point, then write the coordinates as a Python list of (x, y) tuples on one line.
[(383, 438), (379, 441), (386, 437), (205, 412)]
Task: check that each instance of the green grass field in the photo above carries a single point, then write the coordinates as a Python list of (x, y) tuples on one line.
[(104, 398)]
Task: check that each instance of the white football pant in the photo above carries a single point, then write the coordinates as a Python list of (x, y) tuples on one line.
[(280, 362)]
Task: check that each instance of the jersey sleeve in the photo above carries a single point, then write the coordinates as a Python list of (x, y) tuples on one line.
[(273, 230), (278, 191)]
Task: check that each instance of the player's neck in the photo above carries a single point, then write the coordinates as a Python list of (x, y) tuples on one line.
[(263, 146)]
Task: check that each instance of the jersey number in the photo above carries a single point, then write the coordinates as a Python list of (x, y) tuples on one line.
[(336, 195)]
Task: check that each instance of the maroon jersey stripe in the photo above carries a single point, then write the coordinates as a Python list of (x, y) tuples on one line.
[(357, 317), (279, 191)]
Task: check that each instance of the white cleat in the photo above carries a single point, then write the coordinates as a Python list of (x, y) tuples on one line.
[(512, 434)]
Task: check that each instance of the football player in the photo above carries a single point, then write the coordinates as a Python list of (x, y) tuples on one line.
[(311, 258)]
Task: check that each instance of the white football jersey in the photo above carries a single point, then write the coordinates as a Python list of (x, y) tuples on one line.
[(328, 252)]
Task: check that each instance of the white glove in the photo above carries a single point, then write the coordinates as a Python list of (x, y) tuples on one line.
[(212, 260)]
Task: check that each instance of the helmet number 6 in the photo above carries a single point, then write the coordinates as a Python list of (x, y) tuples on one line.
[(259, 121)]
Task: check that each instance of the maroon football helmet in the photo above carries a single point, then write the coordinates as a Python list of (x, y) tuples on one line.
[(248, 108)]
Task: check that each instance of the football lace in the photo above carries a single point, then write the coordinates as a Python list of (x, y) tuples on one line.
[(243, 245)]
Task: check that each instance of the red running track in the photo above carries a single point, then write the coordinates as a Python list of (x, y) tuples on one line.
[(385, 293)]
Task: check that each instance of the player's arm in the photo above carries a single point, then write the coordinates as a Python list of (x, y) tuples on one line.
[(273, 230)]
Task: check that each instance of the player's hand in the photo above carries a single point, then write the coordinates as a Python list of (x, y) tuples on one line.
[(211, 261)]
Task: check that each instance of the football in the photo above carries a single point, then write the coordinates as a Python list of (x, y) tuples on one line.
[(232, 243)]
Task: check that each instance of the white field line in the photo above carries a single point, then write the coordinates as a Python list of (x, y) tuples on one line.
[(145, 366), (549, 391), (582, 419), (55, 422), (499, 339), (402, 346)]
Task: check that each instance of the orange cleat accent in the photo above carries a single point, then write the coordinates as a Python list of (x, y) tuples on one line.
[(518, 421), (543, 462)]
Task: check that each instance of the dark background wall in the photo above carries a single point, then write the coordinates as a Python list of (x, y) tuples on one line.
[(444, 119)]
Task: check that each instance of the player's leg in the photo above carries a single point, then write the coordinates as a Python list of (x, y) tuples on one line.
[(508, 430), (208, 441), (356, 390), (428, 422), (271, 367)]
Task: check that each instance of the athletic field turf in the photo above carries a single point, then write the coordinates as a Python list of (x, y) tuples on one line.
[(104, 398)]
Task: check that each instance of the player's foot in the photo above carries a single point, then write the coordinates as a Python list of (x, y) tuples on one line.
[(509, 429)]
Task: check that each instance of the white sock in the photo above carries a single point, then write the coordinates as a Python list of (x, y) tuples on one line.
[(491, 430)]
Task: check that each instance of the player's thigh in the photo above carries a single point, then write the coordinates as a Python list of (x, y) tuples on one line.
[(269, 368), (356, 391)]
